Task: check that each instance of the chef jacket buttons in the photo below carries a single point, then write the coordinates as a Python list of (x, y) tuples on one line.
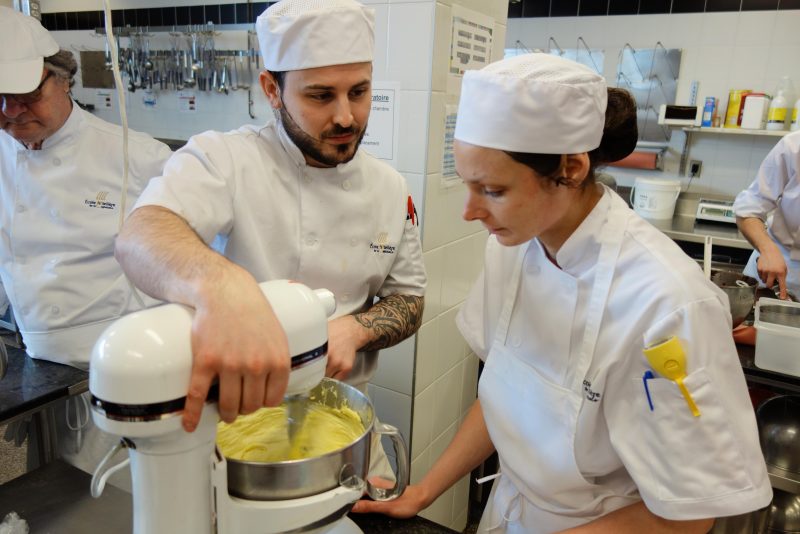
[(55, 310), (56, 161), (311, 241), (353, 242), (346, 185), (307, 179), (21, 208), (54, 213)]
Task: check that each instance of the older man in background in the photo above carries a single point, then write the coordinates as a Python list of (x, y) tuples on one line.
[(63, 196)]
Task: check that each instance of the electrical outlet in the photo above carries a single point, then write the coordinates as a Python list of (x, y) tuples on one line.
[(695, 166)]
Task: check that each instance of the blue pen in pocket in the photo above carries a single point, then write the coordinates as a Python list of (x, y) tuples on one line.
[(647, 376)]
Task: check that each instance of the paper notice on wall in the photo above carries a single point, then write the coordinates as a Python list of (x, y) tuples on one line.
[(380, 139), (104, 99), (187, 102), (471, 45), (449, 175)]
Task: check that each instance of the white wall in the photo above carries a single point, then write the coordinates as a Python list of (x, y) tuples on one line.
[(445, 380), (723, 51)]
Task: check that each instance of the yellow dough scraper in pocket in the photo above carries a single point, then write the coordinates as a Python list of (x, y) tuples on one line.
[(668, 359)]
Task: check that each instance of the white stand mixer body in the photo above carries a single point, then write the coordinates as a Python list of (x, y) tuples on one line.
[(140, 371)]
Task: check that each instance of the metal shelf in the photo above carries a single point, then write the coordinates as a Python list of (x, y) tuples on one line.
[(735, 131)]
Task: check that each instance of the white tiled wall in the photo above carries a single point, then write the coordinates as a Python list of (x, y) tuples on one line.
[(722, 51), (445, 380)]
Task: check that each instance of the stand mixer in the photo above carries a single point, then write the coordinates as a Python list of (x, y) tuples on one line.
[(140, 373)]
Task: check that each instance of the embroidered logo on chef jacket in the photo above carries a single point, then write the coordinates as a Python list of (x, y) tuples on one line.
[(100, 201), (381, 244), (593, 396)]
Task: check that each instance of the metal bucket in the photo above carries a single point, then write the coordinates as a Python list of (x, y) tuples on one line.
[(292, 479)]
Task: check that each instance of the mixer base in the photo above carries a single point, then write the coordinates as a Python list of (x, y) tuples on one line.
[(344, 526)]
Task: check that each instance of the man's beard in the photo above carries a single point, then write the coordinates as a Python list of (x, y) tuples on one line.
[(314, 149)]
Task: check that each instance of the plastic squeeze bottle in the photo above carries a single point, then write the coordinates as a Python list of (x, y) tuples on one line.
[(779, 114)]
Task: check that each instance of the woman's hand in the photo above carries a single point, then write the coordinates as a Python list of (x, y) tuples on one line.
[(409, 504)]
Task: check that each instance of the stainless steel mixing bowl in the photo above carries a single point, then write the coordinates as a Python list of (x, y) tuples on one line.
[(741, 291), (784, 512), (779, 431), (292, 479)]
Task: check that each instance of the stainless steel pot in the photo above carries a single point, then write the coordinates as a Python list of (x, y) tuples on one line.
[(292, 479), (784, 512), (741, 291), (779, 432)]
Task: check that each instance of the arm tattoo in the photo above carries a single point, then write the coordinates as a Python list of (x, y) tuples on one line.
[(391, 320)]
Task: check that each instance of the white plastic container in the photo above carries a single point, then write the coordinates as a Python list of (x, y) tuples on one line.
[(778, 336), (655, 198)]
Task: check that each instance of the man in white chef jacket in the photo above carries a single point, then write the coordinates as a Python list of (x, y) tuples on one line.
[(294, 199), (768, 215), (61, 189)]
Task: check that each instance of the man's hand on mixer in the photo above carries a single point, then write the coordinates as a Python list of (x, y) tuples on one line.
[(345, 337), (236, 337)]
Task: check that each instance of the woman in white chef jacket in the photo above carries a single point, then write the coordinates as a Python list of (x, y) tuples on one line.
[(575, 286)]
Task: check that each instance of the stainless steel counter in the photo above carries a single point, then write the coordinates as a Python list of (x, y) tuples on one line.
[(683, 227)]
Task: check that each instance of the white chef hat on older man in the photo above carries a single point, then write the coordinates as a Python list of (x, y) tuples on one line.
[(535, 103), (305, 34), (24, 43)]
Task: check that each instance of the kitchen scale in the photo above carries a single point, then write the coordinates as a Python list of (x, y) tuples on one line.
[(717, 211)]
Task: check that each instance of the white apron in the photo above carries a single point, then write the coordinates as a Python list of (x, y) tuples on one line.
[(533, 422)]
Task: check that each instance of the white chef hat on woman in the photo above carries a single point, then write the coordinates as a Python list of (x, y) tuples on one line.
[(535, 103), (305, 34), (24, 43)]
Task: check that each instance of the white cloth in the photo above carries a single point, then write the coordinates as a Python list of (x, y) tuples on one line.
[(774, 197), (59, 218), (345, 228), (305, 34), (560, 104), (24, 45), (682, 467)]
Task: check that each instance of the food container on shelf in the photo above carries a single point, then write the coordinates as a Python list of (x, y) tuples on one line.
[(777, 325)]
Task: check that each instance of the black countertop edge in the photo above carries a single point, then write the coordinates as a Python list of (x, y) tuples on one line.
[(30, 384)]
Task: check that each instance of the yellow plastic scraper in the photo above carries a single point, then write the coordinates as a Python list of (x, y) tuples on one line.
[(668, 359)]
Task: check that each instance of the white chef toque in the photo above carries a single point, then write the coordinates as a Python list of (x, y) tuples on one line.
[(305, 34), (24, 43), (533, 103)]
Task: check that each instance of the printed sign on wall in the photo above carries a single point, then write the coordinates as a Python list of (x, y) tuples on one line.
[(380, 139)]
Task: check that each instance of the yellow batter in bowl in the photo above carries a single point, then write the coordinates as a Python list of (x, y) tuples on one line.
[(262, 436)]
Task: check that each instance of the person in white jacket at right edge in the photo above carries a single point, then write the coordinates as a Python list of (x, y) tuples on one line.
[(774, 197), (575, 287)]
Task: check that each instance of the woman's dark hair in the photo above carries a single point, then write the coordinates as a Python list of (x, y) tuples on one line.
[(620, 134)]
